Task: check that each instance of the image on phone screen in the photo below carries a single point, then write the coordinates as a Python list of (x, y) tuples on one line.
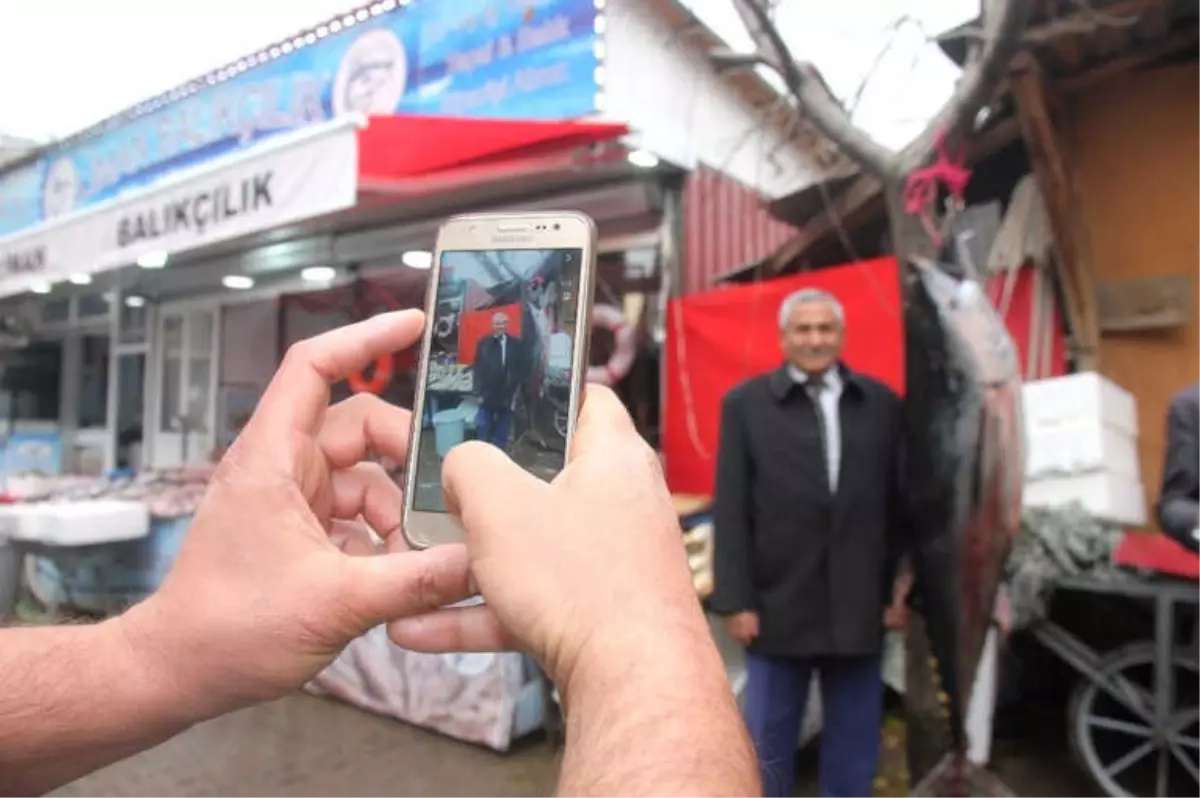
[(504, 328)]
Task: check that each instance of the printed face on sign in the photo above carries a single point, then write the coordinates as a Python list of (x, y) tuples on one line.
[(372, 76), (60, 189)]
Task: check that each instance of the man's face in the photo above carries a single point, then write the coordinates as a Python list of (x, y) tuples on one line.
[(812, 339), (499, 325)]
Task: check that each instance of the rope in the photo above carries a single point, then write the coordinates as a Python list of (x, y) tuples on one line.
[(921, 187)]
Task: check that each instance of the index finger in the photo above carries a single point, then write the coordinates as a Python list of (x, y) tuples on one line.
[(298, 394)]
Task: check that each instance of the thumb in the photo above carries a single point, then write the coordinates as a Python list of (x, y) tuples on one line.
[(402, 584), (602, 420), (482, 486)]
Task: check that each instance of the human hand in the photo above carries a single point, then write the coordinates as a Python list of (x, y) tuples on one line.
[(742, 627), (896, 614), (260, 599), (571, 570)]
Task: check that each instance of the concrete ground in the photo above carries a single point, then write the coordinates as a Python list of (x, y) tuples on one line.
[(302, 746)]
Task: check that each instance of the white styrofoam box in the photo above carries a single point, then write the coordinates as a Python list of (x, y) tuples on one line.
[(1085, 446), (78, 523), (1076, 397), (28, 486), (1108, 497), (20, 521)]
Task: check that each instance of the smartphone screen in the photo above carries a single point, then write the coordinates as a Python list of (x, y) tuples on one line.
[(503, 336)]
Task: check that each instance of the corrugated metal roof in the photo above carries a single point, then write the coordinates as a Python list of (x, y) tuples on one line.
[(725, 226), (753, 87)]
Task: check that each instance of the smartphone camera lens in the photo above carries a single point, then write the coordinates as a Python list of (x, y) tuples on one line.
[(556, 225)]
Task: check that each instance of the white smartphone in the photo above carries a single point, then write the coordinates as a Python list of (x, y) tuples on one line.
[(504, 354)]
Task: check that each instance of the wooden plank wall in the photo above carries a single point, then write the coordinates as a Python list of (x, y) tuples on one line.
[(1136, 145)]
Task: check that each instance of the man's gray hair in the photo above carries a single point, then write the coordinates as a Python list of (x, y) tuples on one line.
[(806, 296), (499, 316)]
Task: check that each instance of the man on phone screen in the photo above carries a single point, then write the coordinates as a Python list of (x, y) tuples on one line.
[(496, 382), (806, 524)]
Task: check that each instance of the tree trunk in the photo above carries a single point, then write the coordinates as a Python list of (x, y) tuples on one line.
[(926, 735)]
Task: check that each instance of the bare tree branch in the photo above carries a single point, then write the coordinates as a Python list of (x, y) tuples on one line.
[(894, 30), (815, 99), (1004, 22)]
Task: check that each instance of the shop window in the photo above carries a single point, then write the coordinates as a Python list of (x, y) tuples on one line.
[(133, 325), (92, 306), (56, 311), (172, 366), (187, 361), (199, 384), (30, 382), (131, 384), (93, 382)]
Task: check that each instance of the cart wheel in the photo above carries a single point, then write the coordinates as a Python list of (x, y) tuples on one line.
[(1114, 741)]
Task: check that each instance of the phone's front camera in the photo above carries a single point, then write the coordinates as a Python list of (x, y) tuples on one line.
[(556, 225)]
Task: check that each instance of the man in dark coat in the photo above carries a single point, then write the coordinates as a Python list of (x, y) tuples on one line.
[(806, 523), (496, 376), (1178, 508)]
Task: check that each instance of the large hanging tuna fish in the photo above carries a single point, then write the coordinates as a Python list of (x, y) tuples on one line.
[(965, 445)]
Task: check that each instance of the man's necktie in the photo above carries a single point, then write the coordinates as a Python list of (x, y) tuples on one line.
[(814, 386)]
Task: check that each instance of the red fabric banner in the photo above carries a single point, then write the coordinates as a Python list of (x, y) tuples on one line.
[(1017, 317), (717, 339)]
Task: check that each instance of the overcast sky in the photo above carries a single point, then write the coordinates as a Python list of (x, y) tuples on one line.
[(69, 63)]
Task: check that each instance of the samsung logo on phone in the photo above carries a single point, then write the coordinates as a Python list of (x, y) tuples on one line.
[(511, 239)]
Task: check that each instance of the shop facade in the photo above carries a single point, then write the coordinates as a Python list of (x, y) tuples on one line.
[(152, 251)]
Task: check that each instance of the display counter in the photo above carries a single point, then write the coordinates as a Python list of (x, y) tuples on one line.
[(94, 545)]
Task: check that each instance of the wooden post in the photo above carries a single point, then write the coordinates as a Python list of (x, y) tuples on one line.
[(1055, 177)]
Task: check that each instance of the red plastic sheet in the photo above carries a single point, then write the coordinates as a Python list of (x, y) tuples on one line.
[(1154, 551), (720, 338)]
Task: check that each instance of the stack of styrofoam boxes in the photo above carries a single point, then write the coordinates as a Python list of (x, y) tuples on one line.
[(1081, 437)]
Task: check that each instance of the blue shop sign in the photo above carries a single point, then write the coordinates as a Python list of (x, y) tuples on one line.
[(504, 59)]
